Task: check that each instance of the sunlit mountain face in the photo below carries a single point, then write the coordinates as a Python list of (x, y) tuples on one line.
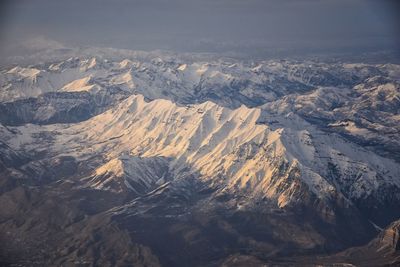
[(182, 150)]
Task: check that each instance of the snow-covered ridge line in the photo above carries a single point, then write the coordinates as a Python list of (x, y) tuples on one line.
[(189, 81), (226, 147)]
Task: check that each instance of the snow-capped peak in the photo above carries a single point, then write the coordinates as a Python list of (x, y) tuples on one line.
[(79, 85), (229, 148)]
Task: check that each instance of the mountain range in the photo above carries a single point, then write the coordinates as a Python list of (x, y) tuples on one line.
[(149, 159)]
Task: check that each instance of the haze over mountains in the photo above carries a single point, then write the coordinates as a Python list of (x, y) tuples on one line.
[(270, 29), (116, 157)]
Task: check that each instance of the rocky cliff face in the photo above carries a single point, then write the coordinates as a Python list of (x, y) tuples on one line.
[(389, 239), (383, 250)]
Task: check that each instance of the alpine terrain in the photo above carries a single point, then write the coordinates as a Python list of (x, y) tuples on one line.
[(123, 158)]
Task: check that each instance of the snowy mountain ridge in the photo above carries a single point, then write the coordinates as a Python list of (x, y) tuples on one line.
[(225, 146)]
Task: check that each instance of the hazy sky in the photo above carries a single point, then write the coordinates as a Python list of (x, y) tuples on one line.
[(207, 25)]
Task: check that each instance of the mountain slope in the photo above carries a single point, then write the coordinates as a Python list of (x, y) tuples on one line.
[(281, 162)]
